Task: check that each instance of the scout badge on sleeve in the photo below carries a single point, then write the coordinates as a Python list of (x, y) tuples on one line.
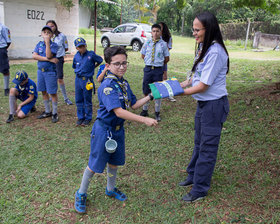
[(110, 144), (164, 89)]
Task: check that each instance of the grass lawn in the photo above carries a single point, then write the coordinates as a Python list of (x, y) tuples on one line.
[(41, 163)]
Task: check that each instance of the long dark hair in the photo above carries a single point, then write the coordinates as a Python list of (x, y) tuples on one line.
[(165, 32), (56, 32), (212, 33)]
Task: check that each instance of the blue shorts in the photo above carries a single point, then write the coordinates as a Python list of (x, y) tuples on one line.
[(151, 74), (4, 61), (99, 157), (47, 81), (27, 107), (59, 67)]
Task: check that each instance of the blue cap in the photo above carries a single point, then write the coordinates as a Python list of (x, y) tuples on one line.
[(20, 76), (47, 27), (79, 42)]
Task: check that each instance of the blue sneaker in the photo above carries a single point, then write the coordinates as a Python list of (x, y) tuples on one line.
[(80, 202), (116, 194)]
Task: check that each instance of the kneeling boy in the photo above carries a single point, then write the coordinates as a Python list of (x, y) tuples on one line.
[(26, 91)]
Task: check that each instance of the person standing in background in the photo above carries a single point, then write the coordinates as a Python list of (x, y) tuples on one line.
[(5, 41), (61, 40), (166, 36)]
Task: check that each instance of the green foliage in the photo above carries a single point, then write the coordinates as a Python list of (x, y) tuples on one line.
[(68, 4), (89, 31)]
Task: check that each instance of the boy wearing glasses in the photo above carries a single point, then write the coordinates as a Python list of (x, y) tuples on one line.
[(115, 98), (155, 54), (84, 63)]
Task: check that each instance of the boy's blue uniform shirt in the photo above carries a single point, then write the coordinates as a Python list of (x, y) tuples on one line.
[(40, 49), (100, 70), (84, 65), (161, 51), (62, 44), (5, 36), (29, 88), (110, 96), (212, 72)]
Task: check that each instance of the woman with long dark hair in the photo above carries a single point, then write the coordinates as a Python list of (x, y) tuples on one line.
[(208, 87), (61, 40), (166, 36)]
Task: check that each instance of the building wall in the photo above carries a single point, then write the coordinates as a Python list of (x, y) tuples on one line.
[(84, 16), (25, 19)]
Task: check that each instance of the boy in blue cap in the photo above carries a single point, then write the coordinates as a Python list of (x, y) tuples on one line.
[(5, 41), (155, 54), (45, 52), (115, 98), (26, 91), (84, 63)]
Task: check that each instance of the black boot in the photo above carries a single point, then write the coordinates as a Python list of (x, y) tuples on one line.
[(144, 113), (157, 116), (10, 118)]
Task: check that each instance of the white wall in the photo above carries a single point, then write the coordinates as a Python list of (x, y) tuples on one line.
[(25, 19), (84, 16), (2, 13)]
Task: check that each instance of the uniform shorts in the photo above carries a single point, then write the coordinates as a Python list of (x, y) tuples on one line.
[(59, 67), (151, 74), (4, 61), (27, 107), (47, 81), (99, 157)]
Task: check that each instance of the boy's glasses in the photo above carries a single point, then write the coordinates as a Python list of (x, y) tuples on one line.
[(118, 64), (196, 30)]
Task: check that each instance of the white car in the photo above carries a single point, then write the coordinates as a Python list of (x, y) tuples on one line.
[(128, 34)]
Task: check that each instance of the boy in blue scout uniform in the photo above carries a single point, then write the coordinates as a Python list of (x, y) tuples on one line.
[(5, 41), (155, 54), (84, 63), (26, 91), (115, 98), (45, 52)]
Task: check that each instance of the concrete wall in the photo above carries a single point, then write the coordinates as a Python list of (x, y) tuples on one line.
[(25, 19), (84, 16), (266, 40)]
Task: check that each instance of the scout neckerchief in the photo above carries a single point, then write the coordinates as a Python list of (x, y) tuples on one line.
[(154, 49), (122, 84)]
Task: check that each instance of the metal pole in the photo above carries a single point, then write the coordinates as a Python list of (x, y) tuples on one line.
[(247, 34), (95, 18)]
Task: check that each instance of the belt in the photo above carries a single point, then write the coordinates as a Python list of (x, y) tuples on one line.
[(153, 67), (45, 70), (112, 128)]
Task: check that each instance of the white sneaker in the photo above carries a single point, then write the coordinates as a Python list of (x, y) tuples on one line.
[(171, 98)]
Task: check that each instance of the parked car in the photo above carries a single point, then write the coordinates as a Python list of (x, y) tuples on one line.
[(128, 34)]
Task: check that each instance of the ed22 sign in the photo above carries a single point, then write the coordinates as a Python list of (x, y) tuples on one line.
[(35, 14)]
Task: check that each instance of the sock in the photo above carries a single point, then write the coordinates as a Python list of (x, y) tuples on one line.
[(85, 181), (146, 106), (157, 105), (6, 81), (47, 106), (63, 91), (111, 178), (12, 102), (54, 107)]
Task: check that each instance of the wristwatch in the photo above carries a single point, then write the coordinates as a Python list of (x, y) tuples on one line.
[(151, 96)]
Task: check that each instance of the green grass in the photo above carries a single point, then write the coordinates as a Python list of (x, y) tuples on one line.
[(41, 164)]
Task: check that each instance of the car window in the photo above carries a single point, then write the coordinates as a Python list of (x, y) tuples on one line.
[(146, 28), (130, 29), (120, 29)]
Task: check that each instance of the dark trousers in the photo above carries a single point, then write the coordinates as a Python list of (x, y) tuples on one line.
[(209, 119), (83, 98)]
